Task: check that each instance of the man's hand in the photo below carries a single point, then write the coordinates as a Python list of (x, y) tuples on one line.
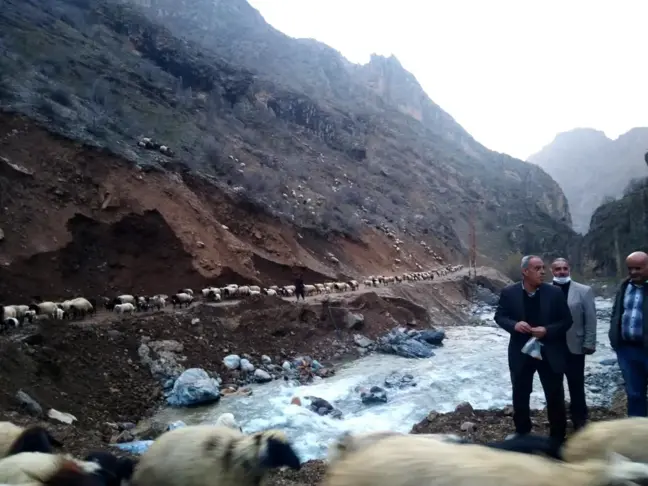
[(538, 332), (589, 350), (522, 327)]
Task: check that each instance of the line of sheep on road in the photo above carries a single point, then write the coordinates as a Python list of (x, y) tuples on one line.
[(13, 316)]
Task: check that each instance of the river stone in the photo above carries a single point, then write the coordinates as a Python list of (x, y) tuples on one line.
[(464, 408), (246, 366), (468, 427), (374, 395), (354, 321), (29, 404), (266, 360), (262, 376), (232, 361), (362, 341)]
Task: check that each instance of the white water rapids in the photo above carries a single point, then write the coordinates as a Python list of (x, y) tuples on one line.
[(470, 367)]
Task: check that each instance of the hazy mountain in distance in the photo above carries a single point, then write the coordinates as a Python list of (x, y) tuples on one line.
[(590, 167)]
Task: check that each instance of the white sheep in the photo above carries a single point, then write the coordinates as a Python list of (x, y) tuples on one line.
[(157, 301), (626, 436), (243, 291), (271, 292), (411, 460), (15, 439), (126, 308), (182, 299), (20, 310), (45, 308), (43, 468), (126, 299), (206, 455)]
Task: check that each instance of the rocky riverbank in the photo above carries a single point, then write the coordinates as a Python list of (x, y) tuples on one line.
[(479, 426), (110, 372)]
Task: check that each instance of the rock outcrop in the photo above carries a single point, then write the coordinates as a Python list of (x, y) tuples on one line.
[(592, 169), (618, 228)]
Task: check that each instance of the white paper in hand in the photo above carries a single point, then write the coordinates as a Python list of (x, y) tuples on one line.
[(532, 348)]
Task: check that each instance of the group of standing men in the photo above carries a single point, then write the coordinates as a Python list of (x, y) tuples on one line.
[(562, 317)]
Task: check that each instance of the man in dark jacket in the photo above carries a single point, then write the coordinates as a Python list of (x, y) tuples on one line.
[(531, 308), (629, 332), (299, 286)]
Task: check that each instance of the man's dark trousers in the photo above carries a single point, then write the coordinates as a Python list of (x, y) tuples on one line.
[(552, 384), (575, 372)]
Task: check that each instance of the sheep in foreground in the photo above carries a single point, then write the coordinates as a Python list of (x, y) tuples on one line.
[(15, 439), (626, 436), (405, 460), (348, 442), (39, 467), (118, 470), (205, 455), (526, 444)]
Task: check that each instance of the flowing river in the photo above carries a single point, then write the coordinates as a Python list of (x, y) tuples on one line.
[(470, 367)]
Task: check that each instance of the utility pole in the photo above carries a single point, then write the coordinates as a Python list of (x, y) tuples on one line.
[(472, 254)]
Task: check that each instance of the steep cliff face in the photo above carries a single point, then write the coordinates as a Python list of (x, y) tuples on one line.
[(618, 228), (375, 95), (285, 125), (591, 168)]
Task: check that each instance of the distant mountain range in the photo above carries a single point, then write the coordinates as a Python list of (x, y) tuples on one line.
[(591, 168)]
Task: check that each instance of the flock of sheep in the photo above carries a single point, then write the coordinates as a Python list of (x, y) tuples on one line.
[(13, 316), (611, 453)]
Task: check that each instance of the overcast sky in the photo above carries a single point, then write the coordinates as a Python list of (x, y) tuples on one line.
[(513, 73)]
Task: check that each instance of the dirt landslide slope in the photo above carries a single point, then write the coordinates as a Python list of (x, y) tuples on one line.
[(81, 221)]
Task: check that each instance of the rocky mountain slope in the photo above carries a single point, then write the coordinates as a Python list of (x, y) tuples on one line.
[(591, 168), (618, 228), (303, 157)]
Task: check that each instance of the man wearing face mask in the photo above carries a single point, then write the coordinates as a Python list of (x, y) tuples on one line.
[(629, 332), (581, 337)]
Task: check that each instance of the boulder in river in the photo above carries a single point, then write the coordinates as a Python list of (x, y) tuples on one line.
[(262, 376), (232, 361), (246, 366), (194, 387), (374, 395), (411, 343), (399, 380)]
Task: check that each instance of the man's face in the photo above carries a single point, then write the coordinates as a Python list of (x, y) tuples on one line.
[(560, 269), (535, 271), (637, 269)]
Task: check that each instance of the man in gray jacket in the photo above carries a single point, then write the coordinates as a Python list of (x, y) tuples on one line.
[(629, 332), (581, 337)]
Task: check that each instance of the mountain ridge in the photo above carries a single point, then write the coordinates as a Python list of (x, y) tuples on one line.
[(337, 161), (592, 168)]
